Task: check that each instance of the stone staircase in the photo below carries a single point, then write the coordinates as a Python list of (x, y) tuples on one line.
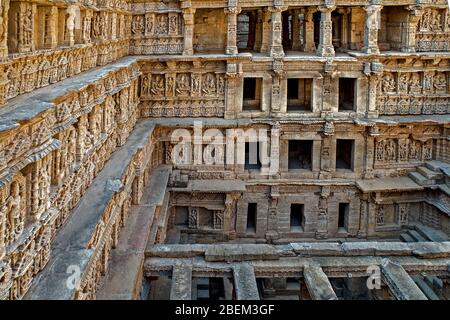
[(430, 174), (429, 285)]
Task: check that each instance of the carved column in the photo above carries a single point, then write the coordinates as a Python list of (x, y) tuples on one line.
[(232, 76), (4, 8), (325, 158), (326, 48), (415, 13), (309, 45), (259, 30), (272, 223), (371, 29), (276, 45), (113, 18), (296, 30), (54, 27), (266, 27), (374, 79), (232, 13), (362, 231), (70, 24), (276, 86), (21, 39), (274, 169), (87, 24), (344, 27), (188, 17), (322, 219)]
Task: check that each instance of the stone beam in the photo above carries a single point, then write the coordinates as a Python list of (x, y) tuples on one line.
[(399, 282), (317, 282), (181, 283), (245, 282)]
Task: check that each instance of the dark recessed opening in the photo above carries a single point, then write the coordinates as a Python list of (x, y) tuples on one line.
[(247, 24), (252, 160), (252, 94), (299, 94), (343, 215), (300, 154), (344, 154), (251, 217), (347, 94), (297, 216)]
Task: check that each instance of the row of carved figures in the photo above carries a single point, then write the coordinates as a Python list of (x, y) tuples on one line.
[(157, 24), (414, 82), (397, 150), (434, 20), (39, 71), (183, 85)]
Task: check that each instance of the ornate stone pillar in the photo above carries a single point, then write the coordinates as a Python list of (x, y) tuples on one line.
[(259, 30), (232, 12), (266, 27), (322, 219), (113, 18), (326, 48), (188, 17), (415, 13), (362, 231), (70, 24), (272, 225), (376, 69), (325, 158), (278, 74), (54, 27), (328, 88), (87, 24), (4, 8), (274, 169), (276, 45), (370, 147), (232, 75), (309, 44), (372, 26), (24, 29), (344, 27), (296, 45)]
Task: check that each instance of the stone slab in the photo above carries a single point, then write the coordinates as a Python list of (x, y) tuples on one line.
[(401, 285), (388, 184), (181, 283), (245, 282), (238, 252), (319, 287)]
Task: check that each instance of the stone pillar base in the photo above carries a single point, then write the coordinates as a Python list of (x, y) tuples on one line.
[(325, 51)]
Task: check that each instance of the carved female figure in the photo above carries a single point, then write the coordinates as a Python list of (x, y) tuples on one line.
[(440, 83), (16, 220)]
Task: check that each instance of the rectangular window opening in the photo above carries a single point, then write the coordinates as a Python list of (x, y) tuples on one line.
[(344, 154), (252, 94), (300, 154), (299, 94), (347, 94), (343, 216), (297, 212), (251, 217)]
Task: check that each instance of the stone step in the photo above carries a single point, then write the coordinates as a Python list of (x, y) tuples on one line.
[(406, 238), (416, 236), (430, 233), (425, 288), (444, 188), (436, 165), (430, 174), (434, 282), (420, 179)]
